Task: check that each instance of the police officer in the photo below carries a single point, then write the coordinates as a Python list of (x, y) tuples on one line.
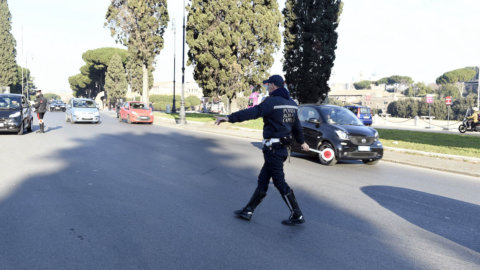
[(41, 108), (280, 120)]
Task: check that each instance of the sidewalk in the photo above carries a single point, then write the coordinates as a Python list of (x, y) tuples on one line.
[(446, 163)]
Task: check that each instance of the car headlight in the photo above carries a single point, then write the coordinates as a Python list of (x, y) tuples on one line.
[(97, 113), (341, 134), (134, 113), (376, 136), (13, 115)]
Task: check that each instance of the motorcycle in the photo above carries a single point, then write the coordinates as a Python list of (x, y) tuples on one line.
[(464, 127)]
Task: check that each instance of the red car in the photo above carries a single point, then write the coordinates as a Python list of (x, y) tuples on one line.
[(136, 112)]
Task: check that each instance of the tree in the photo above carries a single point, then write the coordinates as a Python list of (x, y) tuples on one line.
[(91, 79), (396, 82), (135, 74), (115, 80), (28, 84), (449, 90), (310, 42), (362, 85), (231, 44), (458, 75), (81, 85), (139, 25), (8, 64), (418, 90)]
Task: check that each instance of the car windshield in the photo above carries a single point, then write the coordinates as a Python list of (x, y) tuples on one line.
[(10, 102), (139, 106), (84, 104), (339, 116)]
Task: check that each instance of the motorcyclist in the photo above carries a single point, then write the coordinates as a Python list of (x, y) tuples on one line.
[(473, 119)]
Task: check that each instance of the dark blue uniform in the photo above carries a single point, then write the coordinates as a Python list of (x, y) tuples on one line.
[(280, 120)]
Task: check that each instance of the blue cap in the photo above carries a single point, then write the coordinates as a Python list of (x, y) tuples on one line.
[(275, 79)]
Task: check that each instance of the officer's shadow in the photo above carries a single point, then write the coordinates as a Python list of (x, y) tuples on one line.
[(258, 145)]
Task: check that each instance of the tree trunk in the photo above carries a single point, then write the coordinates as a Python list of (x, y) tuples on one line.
[(145, 84), (229, 106)]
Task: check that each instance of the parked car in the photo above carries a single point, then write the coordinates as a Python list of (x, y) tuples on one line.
[(136, 112), (338, 134), (363, 113), (57, 105), (82, 110), (15, 113)]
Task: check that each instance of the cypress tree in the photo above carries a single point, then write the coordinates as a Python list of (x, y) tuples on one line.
[(8, 64), (139, 25), (115, 80), (231, 44), (310, 42)]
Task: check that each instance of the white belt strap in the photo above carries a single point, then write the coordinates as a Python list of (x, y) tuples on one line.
[(269, 142)]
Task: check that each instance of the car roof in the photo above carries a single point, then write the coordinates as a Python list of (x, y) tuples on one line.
[(8, 94), (318, 105)]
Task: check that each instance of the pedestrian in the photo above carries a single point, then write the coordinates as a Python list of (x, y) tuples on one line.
[(41, 108), (281, 121)]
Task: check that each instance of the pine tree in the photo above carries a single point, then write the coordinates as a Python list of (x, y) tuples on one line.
[(139, 25), (310, 42), (115, 80), (231, 44), (8, 64)]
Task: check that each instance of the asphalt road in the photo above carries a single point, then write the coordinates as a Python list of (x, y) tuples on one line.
[(120, 196)]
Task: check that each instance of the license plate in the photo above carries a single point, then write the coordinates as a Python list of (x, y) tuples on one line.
[(363, 148), (1, 124)]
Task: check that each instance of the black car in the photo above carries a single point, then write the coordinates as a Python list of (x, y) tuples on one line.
[(338, 134), (57, 105), (15, 114)]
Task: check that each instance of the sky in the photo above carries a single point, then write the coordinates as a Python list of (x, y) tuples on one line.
[(377, 38)]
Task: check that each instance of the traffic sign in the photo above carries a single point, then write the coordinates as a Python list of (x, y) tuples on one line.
[(429, 98), (448, 100)]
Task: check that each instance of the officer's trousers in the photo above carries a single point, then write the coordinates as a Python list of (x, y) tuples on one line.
[(274, 157)]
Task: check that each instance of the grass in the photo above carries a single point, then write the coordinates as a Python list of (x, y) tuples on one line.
[(452, 144), (198, 117)]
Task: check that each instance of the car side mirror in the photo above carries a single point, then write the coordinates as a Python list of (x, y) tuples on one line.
[(313, 121)]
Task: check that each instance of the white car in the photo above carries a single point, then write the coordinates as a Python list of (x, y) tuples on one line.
[(82, 110)]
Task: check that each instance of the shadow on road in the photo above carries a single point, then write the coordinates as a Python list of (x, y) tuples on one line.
[(165, 200), (455, 220)]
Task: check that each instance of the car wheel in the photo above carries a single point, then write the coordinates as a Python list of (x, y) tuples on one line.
[(20, 131), (462, 128), (327, 157), (128, 119), (370, 161)]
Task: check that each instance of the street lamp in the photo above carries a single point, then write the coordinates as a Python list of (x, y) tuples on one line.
[(174, 110), (182, 102)]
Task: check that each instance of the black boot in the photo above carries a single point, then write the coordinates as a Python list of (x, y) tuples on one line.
[(247, 212), (296, 216), (41, 128)]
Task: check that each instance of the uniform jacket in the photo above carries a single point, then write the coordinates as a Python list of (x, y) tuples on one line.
[(40, 104), (280, 116)]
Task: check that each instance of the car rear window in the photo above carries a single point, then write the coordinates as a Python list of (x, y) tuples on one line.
[(365, 110)]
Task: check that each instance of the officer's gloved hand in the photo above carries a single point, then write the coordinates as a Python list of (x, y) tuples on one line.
[(221, 120), (305, 147)]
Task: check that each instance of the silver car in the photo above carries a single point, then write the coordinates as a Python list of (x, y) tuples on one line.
[(82, 110)]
